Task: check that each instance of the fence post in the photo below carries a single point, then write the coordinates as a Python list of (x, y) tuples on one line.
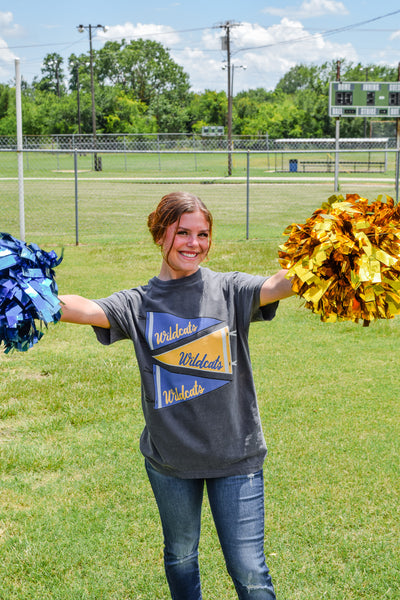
[(76, 198), (57, 155), (20, 150), (158, 148), (248, 196), (194, 152)]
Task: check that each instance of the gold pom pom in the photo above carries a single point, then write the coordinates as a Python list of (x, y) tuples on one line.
[(345, 259)]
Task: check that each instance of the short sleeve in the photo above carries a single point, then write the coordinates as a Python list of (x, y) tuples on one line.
[(112, 306), (268, 311)]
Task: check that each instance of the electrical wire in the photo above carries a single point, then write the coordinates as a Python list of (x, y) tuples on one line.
[(326, 33)]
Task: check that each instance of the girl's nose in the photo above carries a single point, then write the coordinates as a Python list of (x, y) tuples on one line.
[(191, 240)]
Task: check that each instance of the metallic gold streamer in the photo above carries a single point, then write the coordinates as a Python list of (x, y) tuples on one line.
[(345, 259)]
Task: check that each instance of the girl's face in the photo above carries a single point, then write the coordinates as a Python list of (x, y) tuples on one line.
[(185, 245)]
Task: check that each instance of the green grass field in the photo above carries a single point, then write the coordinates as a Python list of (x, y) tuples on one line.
[(77, 517), (195, 164)]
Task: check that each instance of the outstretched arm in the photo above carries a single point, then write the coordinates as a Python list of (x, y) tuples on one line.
[(76, 309), (275, 288)]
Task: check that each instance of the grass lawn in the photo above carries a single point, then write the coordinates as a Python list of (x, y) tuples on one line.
[(77, 517), (198, 164)]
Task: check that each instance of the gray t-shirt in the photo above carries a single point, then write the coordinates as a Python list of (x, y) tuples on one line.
[(198, 396)]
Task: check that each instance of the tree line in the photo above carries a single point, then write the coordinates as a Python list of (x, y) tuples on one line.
[(139, 88)]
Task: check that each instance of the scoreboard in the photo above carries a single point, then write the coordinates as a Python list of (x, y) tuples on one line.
[(213, 130), (364, 99)]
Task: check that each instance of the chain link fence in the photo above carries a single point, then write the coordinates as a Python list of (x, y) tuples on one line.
[(159, 142), (77, 189), (369, 155)]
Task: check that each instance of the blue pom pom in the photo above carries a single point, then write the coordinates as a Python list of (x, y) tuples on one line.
[(28, 292)]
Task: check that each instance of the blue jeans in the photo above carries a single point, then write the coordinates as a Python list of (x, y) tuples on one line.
[(237, 505)]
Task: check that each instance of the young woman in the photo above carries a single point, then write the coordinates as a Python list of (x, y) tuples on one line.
[(189, 326)]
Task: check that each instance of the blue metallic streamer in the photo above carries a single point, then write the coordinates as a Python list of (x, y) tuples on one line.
[(28, 292)]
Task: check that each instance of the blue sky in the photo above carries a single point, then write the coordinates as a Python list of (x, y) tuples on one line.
[(269, 37)]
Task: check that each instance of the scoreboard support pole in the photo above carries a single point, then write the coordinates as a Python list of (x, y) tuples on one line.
[(397, 157), (397, 145), (337, 138), (379, 99)]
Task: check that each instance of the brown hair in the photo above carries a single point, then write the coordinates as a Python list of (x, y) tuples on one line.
[(170, 209)]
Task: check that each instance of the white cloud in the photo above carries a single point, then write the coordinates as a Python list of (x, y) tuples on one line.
[(310, 8), (267, 54), (161, 33), (316, 8), (5, 19), (7, 27), (7, 57), (205, 72)]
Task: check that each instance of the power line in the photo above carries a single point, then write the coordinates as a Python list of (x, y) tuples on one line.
[(110, 39), (326, 33), (67, 44)]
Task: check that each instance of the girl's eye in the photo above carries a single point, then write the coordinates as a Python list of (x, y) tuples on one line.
[(200, 235)]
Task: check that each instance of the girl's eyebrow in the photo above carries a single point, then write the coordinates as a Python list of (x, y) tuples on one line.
[(187, 229)]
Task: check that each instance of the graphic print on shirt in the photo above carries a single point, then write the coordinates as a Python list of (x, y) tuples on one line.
[(172, 388), (164, 328), (206, 358)]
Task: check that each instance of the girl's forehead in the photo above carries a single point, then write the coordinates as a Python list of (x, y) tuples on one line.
[(194, 220)]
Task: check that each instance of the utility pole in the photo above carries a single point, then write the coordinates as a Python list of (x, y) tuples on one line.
[(78, 99), (81, 29), (226, 45), (58, 79), (97, 165)]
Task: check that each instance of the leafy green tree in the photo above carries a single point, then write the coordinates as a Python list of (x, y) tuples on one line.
[(308, 86), (130, 116), (299, 77), (360, 72), (52, 75), (146, 71), (207, 108), (246, 107), (171, 114), (255, 96), (8, 120), (79, 73), (139, 88), (110, 67), (359, 127), (279, 119), (4, 99), (315, 117)]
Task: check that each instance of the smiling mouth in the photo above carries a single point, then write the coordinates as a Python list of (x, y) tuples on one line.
[(189, 254)]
